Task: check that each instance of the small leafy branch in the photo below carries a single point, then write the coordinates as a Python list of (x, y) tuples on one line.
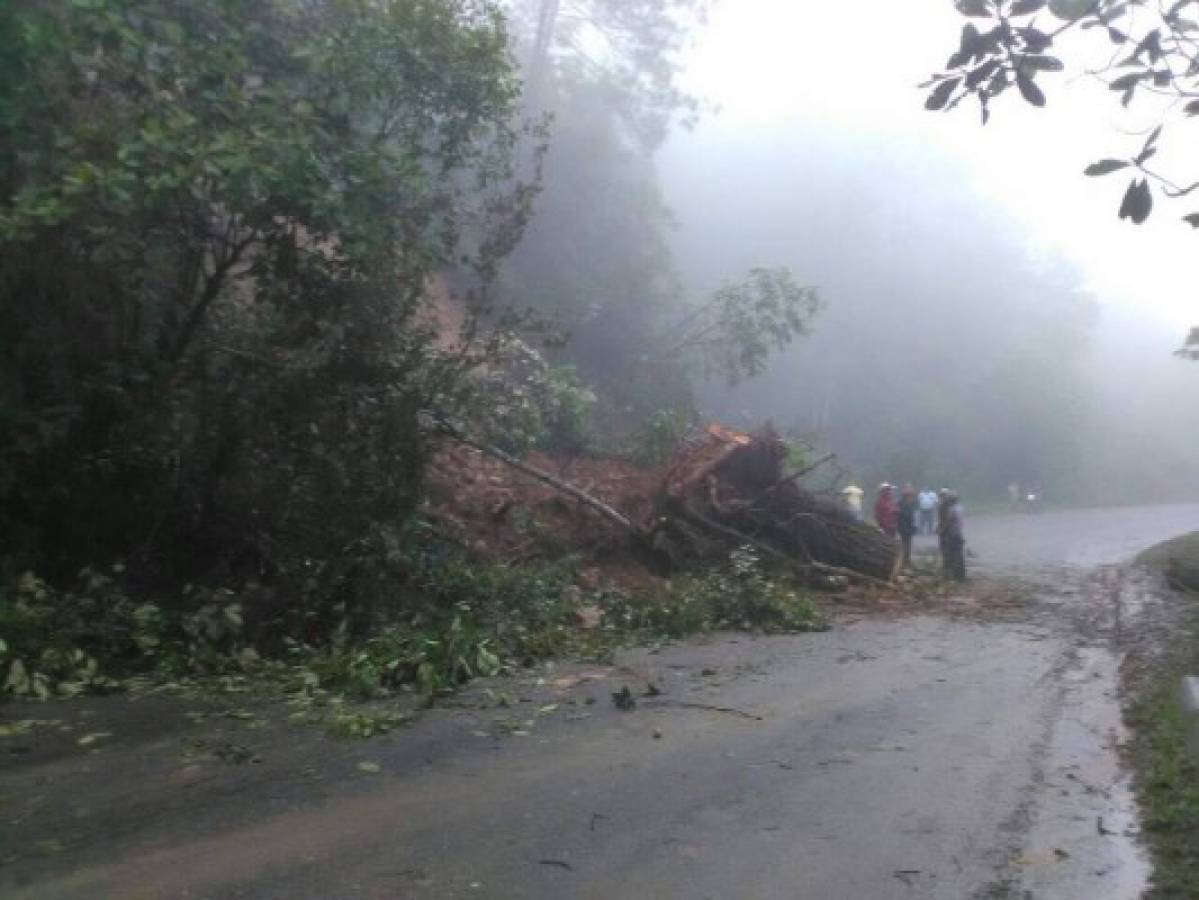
[(1154, 48), (1155, 52)]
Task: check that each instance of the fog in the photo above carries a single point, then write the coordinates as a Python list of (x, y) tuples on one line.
[(952, 349), (987, 317), (964, 340)]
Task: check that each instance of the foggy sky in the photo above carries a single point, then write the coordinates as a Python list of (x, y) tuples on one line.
[(822, 157), (853, 67)]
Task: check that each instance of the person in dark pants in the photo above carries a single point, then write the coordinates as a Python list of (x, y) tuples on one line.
[(953, 538), (907, 526), (886, 516)]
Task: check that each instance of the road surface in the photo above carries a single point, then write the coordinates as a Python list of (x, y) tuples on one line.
[(963, 750)]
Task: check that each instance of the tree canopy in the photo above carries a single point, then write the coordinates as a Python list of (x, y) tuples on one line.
[(218, 219)]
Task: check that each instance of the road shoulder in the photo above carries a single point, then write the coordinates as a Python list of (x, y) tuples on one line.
[(1161, 751)]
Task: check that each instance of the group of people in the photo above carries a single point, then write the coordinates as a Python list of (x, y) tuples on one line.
[(913, 512)]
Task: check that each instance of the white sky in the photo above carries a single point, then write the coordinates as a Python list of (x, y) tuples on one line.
[(854, 65)]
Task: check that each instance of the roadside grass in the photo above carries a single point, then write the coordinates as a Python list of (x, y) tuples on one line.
[(1167, 778), (1177, 560), (1166, 770)]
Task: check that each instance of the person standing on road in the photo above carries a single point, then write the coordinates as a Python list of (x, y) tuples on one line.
[(886, 512), (852, 495), (953, 537), (886, 516), (942, 527), (928, 511), (906, 525)]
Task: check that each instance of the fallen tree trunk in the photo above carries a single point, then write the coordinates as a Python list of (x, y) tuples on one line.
[(731, 490), (733, 485), (805, 566), (612, 515)]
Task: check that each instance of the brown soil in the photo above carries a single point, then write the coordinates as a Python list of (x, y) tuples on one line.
[(503, 515)]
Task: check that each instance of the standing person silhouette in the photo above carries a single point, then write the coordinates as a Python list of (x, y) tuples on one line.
[(928, 511), (906, 524), (953, 538)]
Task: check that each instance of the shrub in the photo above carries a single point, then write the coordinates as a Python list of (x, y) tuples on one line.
[(213, 277), (742, 596), (662, 433), (59, 642), (519, 402)]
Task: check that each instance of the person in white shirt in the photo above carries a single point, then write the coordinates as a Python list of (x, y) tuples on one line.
[(852, 495), (928, 511)]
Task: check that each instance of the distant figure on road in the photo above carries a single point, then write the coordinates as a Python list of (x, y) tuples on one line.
[(1013, 492), (928, 511), (886, 511), (908, 507), (953, 537), (852, 495)]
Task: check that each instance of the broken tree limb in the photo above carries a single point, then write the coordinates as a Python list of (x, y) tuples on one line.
[(583, 497), (794, 477), (733, 534), (728, 710)]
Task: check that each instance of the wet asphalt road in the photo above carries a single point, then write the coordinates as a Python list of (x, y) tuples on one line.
[(1074, 538), (964, 752)]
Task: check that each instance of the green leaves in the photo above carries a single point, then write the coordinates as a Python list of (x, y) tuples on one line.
[(735, 333), (977, 8), (1026, 7), (1106, 167), (1039, 63), (1163, 61), (941, 94), (1071, 10), (1029, 90), (1138, 201)]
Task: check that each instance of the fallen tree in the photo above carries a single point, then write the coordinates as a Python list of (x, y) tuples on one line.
[(730, 489)]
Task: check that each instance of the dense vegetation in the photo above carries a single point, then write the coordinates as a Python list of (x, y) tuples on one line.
[(218, 221), (217, 224), (252, 252)]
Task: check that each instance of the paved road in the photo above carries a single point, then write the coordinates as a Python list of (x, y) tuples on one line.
[(966, 751), (1076, 538)]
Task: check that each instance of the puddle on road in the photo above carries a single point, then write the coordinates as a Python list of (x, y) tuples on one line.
[(1082, 838)]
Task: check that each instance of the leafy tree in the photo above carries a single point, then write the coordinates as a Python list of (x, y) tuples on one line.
[(596, 257), (1155, 60), (931, 362), (217, 223), (630, 47), (737, 331)]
